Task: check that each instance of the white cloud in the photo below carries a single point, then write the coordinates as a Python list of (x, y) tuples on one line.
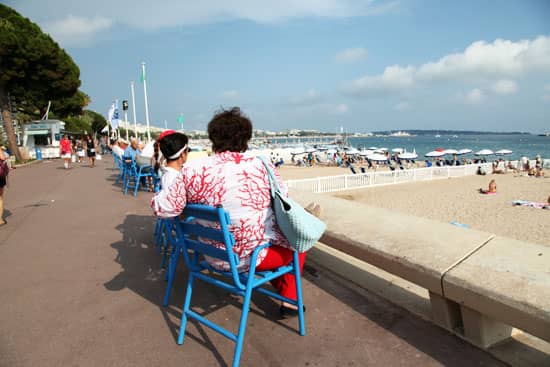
[(479, 62), (504, 86), (342, 108), (351, 55), (402, 106), (76, 30), (394, 78), (170, 13), (230, 94), (311, 97), (475, 96)]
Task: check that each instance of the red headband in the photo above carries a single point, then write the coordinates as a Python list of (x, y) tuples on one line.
[(165, 134)]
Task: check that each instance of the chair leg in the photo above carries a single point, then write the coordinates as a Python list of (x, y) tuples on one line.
[(242, 326), (298, 282), (186, 305), (172, 266)]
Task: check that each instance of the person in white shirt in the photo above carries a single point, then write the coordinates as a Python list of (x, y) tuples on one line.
[(174, 149), (117, 149)]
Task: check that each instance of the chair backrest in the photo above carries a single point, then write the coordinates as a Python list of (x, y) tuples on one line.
[(204, 225)]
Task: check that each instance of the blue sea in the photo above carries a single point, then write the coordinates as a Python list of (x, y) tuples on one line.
[(521, 145)]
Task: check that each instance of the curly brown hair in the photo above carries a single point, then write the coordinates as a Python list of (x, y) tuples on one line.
[(230, 130)]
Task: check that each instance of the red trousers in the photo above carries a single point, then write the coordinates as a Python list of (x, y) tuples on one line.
[(279, 256)]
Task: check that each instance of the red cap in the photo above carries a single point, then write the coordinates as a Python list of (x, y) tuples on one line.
[(166, 133)]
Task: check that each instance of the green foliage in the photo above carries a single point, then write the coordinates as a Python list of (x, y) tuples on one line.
[(89, 122), (35, 69), (98, 122)]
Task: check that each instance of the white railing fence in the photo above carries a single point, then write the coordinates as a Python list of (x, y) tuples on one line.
[(368, 179)]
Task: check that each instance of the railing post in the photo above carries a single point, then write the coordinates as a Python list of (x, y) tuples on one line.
[(431, 173), (370, 178), (345, 182), (318, 184), (448, 171)]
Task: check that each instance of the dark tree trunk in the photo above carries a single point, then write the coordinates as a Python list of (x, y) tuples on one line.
[(8, 124)]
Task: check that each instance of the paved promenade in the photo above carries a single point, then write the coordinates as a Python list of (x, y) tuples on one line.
[(81, 285)]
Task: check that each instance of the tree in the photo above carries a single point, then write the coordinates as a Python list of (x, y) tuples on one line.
[(34, 70)]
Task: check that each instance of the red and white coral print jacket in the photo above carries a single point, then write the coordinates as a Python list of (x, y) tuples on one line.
[(238, 182)]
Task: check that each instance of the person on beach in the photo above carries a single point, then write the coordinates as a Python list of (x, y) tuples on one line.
[(66, 151), (4, 171), (90, 150), (240, 184), (492, 189), (174, 149)]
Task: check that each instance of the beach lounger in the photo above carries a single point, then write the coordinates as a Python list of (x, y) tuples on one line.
[(531, 204)]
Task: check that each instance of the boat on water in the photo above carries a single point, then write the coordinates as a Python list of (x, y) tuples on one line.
[(547, 134)]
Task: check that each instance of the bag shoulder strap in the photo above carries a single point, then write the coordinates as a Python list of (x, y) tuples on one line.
[(271, 175)]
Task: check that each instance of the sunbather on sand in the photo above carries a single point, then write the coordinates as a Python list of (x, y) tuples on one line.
[(492, 189)]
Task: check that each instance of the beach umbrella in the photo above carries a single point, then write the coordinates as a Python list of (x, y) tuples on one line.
[(434, 153), (398, 150), (352, 151), (311, 150), (485, 152), (377, 157), (408, 155), (503, 152), (439, 149), (366, 152), (297, 151), (331, 151), (383, 149), (373, 148), (451, 151), (464, 151)]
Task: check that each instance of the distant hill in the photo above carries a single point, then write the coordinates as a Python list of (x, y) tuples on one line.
[(454, 132)]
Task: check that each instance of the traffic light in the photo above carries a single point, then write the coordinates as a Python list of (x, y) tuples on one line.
[(125, 105)]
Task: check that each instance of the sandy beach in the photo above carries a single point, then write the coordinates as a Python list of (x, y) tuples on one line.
[(458, 199)]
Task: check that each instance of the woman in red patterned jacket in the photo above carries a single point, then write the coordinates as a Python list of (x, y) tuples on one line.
[(239, 182)]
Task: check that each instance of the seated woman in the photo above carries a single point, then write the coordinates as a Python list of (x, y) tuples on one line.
[(496, 170), (174, 149), (492, 188), (239, 183)]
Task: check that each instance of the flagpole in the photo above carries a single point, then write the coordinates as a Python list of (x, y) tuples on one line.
[(134, 107), (118, 122), (126, 123), (146, 105)]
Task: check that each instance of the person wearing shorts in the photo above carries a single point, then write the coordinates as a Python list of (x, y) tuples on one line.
[(66, 151), (90, 150)]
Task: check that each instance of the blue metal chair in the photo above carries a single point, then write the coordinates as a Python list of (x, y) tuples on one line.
[(133, 174), (121, 168), (190, 236)]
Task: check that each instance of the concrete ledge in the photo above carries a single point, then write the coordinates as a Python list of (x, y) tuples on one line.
[(479, 285), (417, 249), (506, 280)]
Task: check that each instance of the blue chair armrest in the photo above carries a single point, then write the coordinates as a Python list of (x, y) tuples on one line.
[(255, 254)]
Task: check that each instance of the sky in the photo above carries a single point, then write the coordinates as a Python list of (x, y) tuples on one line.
[(365, 65)]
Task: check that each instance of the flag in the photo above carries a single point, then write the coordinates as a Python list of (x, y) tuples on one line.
[(142, 74), (112, 116), (105, 129)]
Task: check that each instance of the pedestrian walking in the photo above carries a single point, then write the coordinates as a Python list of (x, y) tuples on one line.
[(4, 171), (66, 151), (90, 149)]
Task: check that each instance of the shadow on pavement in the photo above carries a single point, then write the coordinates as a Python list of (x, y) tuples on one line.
[(142, 274)]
